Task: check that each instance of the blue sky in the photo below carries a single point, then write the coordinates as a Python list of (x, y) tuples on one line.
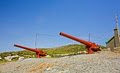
[(21, 20)]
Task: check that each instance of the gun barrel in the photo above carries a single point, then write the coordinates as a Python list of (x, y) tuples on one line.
[(35, 50), (76, 39)]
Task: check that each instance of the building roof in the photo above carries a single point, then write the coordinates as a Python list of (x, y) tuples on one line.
[(110, 39)]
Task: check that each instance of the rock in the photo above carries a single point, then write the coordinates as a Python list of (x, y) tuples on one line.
[(48, 56), (15, 56), (48, 69), (9, 58), (21, 58)]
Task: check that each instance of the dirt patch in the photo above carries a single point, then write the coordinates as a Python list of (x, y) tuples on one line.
[(41, 67)]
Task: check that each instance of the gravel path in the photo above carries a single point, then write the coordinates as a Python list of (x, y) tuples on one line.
[(103, 62)]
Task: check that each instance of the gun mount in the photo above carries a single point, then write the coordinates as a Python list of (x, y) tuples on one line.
[(92, 47), (38, 51)]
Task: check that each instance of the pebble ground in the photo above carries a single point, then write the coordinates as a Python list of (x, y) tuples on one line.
[(102, 62)]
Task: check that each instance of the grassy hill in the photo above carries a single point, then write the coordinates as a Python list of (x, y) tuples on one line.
[(67, 49), (53, 52)]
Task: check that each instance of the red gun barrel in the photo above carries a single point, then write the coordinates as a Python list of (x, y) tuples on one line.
[(89, 45), (38, 51), (76, 39), (35, 50)]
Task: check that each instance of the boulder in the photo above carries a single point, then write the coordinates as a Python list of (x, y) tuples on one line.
[(9, 58), (21, 58), (48, 56)]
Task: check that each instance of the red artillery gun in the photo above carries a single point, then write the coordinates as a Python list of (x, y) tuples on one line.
[(92, 47), (38, 51)]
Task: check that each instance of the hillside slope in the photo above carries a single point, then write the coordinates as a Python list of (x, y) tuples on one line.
[(67, 49)]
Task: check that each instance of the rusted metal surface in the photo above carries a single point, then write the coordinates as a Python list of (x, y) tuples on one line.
[(38, 51), (89, 45)]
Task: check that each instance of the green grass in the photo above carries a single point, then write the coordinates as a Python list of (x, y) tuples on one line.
[(24, 53), (3, 61), (67, 49)]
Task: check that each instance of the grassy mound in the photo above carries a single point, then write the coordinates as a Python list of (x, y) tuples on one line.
[(67, 49)]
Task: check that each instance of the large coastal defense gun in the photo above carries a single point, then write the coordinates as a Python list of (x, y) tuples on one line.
[(92, 47), (38, 51)]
